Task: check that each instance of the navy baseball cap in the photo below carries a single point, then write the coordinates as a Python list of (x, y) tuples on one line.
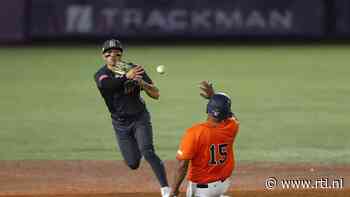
[(111, 44), (219, 106)]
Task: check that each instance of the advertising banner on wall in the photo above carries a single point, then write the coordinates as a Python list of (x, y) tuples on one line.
[(180, 18)]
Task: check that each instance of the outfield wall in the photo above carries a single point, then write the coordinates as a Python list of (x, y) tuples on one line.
[(22, 20), (13, 20)]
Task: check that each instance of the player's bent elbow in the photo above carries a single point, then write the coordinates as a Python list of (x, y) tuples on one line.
[(156, 93), (156, 96)]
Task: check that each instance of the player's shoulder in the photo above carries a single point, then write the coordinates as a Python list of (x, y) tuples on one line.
[(197, 127), (235, 121), (102, 70)]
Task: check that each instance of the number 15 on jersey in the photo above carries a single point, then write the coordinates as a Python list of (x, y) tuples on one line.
[(218, 154)]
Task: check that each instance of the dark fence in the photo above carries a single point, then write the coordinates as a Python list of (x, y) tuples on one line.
[(47, 19), (342, 18), (13, 20)]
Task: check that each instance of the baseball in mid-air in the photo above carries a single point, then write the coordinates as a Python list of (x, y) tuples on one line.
[(161, 69)]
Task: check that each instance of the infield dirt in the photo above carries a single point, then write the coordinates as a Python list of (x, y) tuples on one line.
[(113, 178)]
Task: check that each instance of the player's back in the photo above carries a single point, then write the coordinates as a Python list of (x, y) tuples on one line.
[(214, 157)]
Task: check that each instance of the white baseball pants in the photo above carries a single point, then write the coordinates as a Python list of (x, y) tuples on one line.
[(214, 189)]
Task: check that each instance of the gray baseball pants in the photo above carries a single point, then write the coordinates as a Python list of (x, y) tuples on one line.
[(135, 139)]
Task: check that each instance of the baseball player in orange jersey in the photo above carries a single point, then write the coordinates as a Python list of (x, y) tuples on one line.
[(206, 149)]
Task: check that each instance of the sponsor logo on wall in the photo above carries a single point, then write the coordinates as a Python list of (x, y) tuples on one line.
[(84, 19), (177, 18)]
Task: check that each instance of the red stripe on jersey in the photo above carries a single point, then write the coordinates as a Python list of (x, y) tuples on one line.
[(102, 77)]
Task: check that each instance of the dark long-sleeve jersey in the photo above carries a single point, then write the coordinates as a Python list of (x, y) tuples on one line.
[(119, 103)]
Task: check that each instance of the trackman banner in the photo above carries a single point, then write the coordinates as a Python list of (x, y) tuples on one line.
[(80, 19), (180, 18)]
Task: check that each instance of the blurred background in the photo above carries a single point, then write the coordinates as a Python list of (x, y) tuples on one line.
[(291, 97)]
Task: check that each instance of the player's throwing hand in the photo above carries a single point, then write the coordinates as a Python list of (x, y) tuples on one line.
[(135, 73)]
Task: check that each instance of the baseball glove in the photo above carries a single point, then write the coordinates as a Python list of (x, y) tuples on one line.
[(122, 67), (207, 89)]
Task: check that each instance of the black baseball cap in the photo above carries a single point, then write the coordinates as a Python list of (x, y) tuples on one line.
[(112, 44)]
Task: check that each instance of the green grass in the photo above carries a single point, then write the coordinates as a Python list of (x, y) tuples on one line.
[(292, 101)]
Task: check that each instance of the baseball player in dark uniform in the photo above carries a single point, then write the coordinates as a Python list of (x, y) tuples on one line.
[(120, 84)]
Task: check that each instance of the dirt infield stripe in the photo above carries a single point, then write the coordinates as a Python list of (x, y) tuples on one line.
[(34, 178), (300, 193)]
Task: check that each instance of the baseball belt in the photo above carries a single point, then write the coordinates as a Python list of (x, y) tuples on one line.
[(206, 185)]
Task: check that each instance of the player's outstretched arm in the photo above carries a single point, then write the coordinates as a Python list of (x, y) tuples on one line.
[(150, 89), (179, 176), (137, 74)]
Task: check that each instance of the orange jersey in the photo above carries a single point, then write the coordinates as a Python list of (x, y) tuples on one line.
[(210, 150)]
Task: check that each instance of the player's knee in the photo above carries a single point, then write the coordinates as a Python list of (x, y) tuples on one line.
[(133, 165)]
